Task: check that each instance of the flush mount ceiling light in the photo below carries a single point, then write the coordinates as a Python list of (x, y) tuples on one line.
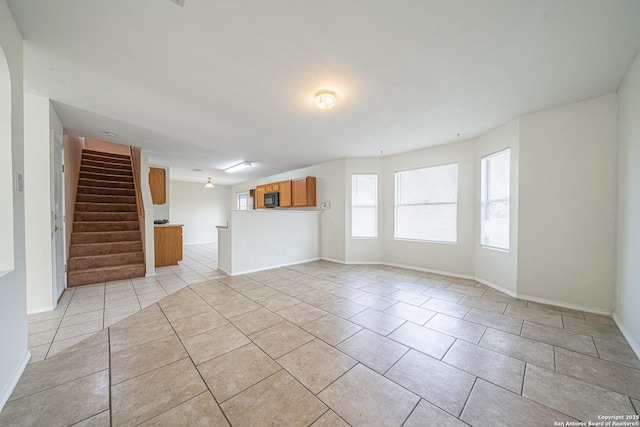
[(325, 99), (209, 184), (238, 167), (111, 134)]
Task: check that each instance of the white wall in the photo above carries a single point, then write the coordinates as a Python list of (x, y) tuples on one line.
[(567, 204), (329, 187), (147, 228), (200, 209), (453, 258), (262, 239), (494, 267), (162, 211), (13, 298), (627, 290)]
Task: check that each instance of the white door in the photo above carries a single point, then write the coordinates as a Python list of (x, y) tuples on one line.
[(57, 218)]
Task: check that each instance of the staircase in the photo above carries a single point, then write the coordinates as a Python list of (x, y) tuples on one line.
[(106, 242)]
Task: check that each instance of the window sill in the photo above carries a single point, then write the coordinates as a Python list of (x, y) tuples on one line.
[(493, 248)]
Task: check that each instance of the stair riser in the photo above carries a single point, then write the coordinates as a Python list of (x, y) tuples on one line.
[(105, 207), (105, 177), (106, 191), (105, 216), (76, 264), (105, 170), (81, 278), (105, 248), (106, 226), (106, 165), (99, 198), (107, 157), (107, 184), (115, 236)]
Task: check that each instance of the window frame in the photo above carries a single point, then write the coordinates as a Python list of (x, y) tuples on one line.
[(396, 204), (485, 202), (242, 195), (375, 207)]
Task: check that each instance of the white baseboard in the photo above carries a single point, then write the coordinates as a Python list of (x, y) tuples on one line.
[(200, 243), (635, 346), (42, 309), (238, 273), (484, 282), (337, 261), (565, 305), (428, 270), (497, 287), (223, 270), (6, 393)]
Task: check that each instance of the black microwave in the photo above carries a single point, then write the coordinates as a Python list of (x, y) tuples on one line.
[(271, 200)]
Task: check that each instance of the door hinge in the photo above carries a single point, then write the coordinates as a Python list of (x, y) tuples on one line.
[(62, 168), (65, 268)]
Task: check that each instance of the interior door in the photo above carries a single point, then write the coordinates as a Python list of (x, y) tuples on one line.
[(57, 217)]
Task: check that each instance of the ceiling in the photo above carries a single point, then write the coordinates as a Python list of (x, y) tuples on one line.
[(214, 83)]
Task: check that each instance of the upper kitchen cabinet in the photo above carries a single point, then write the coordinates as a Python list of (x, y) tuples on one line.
[(260, 191), (158, 185), (285, 193), (303, 191)]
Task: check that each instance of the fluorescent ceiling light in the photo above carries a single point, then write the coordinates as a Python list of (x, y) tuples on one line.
[(238, 167)]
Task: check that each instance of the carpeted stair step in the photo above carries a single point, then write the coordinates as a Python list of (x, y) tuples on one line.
[(108, 184), (101, 198), (106, 165), (106, 274), (96, 226), (104, 176), (84, 189), (79, 238), (105, 160), (105, 155), (105, 170), (106, 242), (99, 261), (105, 207), (103, 248), (105, 216)]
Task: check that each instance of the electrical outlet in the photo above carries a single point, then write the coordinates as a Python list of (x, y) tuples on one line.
[(325, 205)]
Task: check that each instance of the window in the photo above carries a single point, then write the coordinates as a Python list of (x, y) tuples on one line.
[(243, 201), (427, 204), (495, 193), (364, 206)]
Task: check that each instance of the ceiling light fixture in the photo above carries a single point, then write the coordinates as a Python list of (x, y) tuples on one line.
[(238, 167), (325, 99), (209, 184), (111, 134)]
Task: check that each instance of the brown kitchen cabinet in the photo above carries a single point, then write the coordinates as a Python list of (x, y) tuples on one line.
[(272, 188), (158, 185), (303, 191), (285, 193), (260, 191), (167, 244)]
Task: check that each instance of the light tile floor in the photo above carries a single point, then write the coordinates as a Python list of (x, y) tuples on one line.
[(323, 344), (84, 310)]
